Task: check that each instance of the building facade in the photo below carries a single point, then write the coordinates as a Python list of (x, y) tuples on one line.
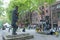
[(35, 17), (51, 14), (45, 16), (55, 9)]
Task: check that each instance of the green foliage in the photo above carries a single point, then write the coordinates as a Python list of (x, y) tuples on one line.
[(1, 8), (25, 5)]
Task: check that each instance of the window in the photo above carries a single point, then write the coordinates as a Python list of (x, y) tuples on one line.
[(42, 7), (53, 8), (58, 6), (58, 15), (46, 11)]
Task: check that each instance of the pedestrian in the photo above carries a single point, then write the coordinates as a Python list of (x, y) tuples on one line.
[(57, 33), (52, 31), (23, 29), (3, 32), (3, 28)]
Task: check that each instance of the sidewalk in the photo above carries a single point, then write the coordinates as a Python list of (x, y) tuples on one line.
[(36, 35), (19, 31)]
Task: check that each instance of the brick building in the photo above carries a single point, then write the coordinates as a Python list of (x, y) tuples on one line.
[(45, 16), (55, 12), (52, 12), (35, 17)]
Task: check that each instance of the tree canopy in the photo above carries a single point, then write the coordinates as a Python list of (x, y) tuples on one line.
[(1, 8), (26, 5)]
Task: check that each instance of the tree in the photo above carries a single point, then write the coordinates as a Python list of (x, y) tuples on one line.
[(25, 5), (1, 8)]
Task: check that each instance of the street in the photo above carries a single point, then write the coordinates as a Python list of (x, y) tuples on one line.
[(32, 32)]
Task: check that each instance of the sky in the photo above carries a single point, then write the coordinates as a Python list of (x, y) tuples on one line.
[(57, 0), (5, 3)]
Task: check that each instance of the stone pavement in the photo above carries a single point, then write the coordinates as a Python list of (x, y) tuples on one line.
[(45, 37), (0, 37), (33, 32)]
